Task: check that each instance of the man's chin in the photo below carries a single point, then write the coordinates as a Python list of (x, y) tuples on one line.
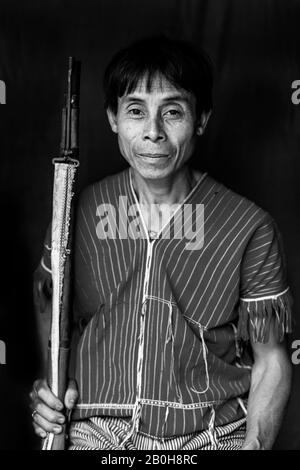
[(155, 171)]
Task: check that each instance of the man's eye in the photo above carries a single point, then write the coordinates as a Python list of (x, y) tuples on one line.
[(135, 112), (173, 113)]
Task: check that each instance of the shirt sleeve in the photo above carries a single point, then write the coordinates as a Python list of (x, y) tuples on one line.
[(87, 296), (264, 292), (42, 279), (87, 299), (46, 257)]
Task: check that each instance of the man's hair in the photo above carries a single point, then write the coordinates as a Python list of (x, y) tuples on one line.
[(179, 62)]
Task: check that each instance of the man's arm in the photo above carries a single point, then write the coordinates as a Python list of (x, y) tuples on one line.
[(48, 410), (269, 393)]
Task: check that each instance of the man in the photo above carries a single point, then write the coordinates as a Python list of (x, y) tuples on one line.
[(181, 303)]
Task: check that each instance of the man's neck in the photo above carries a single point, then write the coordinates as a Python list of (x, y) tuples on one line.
[(172, 190)]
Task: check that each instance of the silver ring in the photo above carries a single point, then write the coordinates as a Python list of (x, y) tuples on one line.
[(33, 414)]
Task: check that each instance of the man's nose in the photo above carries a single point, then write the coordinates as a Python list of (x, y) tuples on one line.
[(153, 129)]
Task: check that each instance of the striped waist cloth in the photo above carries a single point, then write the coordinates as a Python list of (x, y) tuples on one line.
[(110, 433)]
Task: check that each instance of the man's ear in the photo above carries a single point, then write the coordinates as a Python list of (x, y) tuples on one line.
[(112, 118), (202, 122)]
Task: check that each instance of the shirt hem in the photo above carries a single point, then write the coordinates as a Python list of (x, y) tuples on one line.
[(188, 406)]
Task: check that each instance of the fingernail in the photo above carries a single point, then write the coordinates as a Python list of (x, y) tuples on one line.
[(59, 407), (61, 420), (43, 434), (57, 429)]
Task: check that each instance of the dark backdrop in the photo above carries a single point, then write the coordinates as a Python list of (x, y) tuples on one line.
[(252, 142)]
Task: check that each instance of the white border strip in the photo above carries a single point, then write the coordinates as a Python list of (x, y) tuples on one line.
[(266, 297), (150, 403)]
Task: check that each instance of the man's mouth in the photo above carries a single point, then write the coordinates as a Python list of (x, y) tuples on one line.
[(153, 155)]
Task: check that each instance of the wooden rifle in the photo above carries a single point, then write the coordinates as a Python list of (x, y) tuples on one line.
[(65, 167)]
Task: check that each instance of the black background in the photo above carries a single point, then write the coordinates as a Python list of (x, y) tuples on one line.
[(251, 144)]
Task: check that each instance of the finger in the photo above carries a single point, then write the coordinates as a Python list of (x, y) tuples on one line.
[(37, 384), (46, 425), (39, 431), (44, 393), (48, 413), (71, 395)]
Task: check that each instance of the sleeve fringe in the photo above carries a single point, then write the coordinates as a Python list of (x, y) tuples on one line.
[(255, 318)]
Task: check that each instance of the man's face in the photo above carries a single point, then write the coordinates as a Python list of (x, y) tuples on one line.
[(157, 129)]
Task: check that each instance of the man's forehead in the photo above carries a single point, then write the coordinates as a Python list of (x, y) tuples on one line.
[(159, 87)]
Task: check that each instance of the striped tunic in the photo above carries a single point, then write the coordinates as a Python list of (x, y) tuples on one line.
[(164, 329)]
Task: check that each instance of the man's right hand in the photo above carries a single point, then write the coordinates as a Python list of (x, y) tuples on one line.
[(47, 409)]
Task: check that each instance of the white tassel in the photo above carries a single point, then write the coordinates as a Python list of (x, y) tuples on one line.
[(205, 350), (135, 424), (242, 405), (211, 429)]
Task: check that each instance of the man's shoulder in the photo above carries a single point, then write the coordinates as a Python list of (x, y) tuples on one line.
[(106, 190), (229, 200)]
